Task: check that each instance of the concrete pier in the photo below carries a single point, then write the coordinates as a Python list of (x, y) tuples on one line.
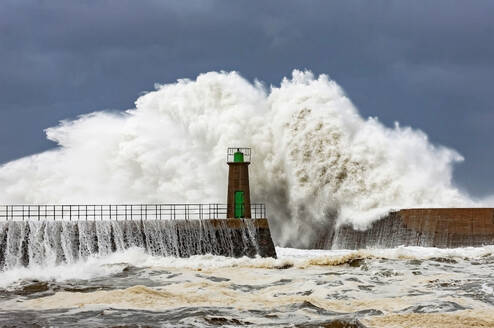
[(429, 227), (40, 242)]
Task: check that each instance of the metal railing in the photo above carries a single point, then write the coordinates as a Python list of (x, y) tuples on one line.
[(122, 212), (230, 153)]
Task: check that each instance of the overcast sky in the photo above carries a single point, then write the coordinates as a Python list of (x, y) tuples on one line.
[(426, 64)]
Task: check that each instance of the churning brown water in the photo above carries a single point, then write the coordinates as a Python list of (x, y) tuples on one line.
[(400, 287)]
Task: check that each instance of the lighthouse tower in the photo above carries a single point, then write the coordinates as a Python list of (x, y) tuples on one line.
[(238, 200)]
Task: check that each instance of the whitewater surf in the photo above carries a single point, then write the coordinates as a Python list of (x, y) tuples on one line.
[(401, 287), (317, 161)]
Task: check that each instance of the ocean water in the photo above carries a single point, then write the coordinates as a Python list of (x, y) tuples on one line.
[(317, 162), (400, 287)]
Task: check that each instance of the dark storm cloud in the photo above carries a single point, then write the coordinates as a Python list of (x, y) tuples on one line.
[(428, 64)]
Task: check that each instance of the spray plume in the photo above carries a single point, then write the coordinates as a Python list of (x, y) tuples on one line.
[(316, 161)]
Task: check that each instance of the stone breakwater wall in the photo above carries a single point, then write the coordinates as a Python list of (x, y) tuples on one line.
[(428, 227), (51, 242)]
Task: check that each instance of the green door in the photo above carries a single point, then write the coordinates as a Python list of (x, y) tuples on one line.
[(239, 204)]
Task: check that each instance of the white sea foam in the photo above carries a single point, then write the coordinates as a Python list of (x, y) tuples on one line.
[(487, 289), (294, 289), (315, 158), (101, 266), (88, 268)]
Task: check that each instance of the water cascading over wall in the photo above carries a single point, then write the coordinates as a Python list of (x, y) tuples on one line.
[(52, 242)]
